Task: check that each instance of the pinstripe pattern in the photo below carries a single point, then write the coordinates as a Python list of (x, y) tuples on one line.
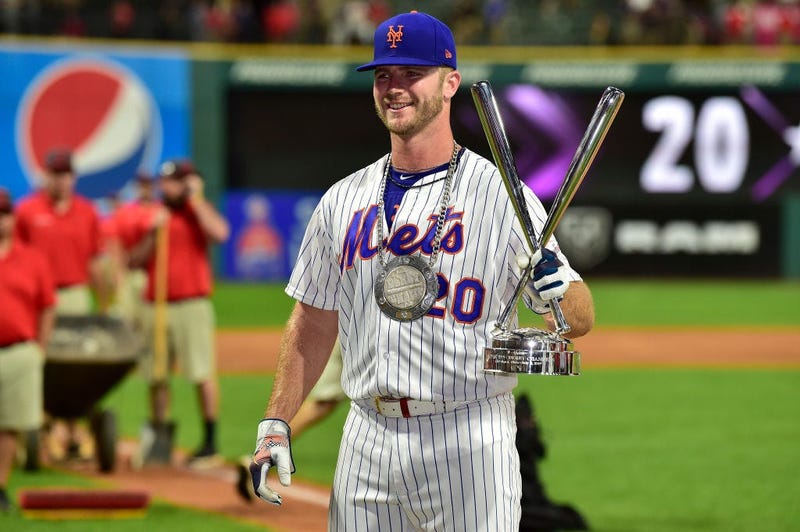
[(430, 358), (454, 471), (448, 472)]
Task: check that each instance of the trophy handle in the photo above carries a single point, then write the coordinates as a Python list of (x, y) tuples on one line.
[(493, 127)]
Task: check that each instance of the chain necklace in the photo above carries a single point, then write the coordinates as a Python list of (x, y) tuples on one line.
[(406, 287)]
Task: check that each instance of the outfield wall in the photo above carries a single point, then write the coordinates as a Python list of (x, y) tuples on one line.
[(698, 176)]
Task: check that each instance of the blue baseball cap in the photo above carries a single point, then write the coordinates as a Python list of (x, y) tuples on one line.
[(413, 38)]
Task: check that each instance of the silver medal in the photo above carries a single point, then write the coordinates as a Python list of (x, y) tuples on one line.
[(406, 289), (406, 286)]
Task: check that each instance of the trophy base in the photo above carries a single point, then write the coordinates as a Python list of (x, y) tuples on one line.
[(532, 351)]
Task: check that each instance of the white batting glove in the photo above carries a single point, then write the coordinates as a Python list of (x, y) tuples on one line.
[(549, 279), (273, 448)]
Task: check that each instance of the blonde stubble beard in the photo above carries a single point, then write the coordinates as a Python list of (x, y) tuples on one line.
[(426, 113)]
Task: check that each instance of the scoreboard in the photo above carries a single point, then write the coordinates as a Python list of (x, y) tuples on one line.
[(735, 147)]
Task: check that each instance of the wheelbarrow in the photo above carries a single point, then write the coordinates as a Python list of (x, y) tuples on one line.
[(86, 357)]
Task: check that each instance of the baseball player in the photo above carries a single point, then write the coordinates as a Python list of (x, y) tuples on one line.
[(539, 512), (27, 297), (410, 260)]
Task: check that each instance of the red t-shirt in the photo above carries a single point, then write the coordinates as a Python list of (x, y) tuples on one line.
[(188, 266), (26, 289), (68, 240), (132, 220)]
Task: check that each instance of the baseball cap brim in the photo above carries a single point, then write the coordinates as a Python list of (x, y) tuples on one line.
[(396, 61)]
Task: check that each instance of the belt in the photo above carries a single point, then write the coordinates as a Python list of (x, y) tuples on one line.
[(405, 407)]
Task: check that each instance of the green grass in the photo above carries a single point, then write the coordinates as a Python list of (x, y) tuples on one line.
[(633, 449), (618, 303), (248, 305), (159, 516), (696, 303), (674, 450)]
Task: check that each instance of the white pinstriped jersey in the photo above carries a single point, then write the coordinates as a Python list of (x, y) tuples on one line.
[(439, 356)]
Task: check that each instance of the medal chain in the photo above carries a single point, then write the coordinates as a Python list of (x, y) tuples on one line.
[(445, 199)]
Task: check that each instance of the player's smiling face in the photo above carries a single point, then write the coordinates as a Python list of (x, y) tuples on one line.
[(408, 98)]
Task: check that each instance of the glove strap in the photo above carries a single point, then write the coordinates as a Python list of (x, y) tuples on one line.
[(275, 427)]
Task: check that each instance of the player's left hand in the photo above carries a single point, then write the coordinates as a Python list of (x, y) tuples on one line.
[(273, 448), (549, 279)]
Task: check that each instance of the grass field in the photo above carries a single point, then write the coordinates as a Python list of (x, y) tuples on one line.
[(619, 303), (633, 449)]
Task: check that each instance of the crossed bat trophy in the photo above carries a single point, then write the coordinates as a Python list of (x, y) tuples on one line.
[(532, 350)]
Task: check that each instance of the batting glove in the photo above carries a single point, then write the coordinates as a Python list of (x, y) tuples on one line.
[(549, 279), (273, 448)]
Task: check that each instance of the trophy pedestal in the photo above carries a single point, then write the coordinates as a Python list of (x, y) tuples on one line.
[(533, 351)]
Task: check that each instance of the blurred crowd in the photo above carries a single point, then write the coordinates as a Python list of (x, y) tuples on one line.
[(476, 22)]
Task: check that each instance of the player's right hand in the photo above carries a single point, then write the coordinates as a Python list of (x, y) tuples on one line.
[(273, 448)]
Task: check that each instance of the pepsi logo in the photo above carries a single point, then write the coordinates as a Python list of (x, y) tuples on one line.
[(97, 109)]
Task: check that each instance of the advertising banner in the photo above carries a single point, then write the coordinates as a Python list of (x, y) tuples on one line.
[(267, 229), (118, 112), (672, 241)]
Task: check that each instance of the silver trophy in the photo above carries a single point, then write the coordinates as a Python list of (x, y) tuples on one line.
[(532, 350)]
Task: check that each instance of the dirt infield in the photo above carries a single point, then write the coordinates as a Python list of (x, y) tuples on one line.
[(305, 507), (213, 490), (257, 350)]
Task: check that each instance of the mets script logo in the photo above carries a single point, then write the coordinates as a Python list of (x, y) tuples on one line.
[(406, 239), (393, 36)]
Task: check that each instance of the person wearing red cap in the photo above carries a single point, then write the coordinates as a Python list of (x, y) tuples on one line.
[(410, 261), (190, 224), (27, 296), (65, 226)]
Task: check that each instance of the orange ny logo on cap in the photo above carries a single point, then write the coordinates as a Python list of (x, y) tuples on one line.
[(393, 36)]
